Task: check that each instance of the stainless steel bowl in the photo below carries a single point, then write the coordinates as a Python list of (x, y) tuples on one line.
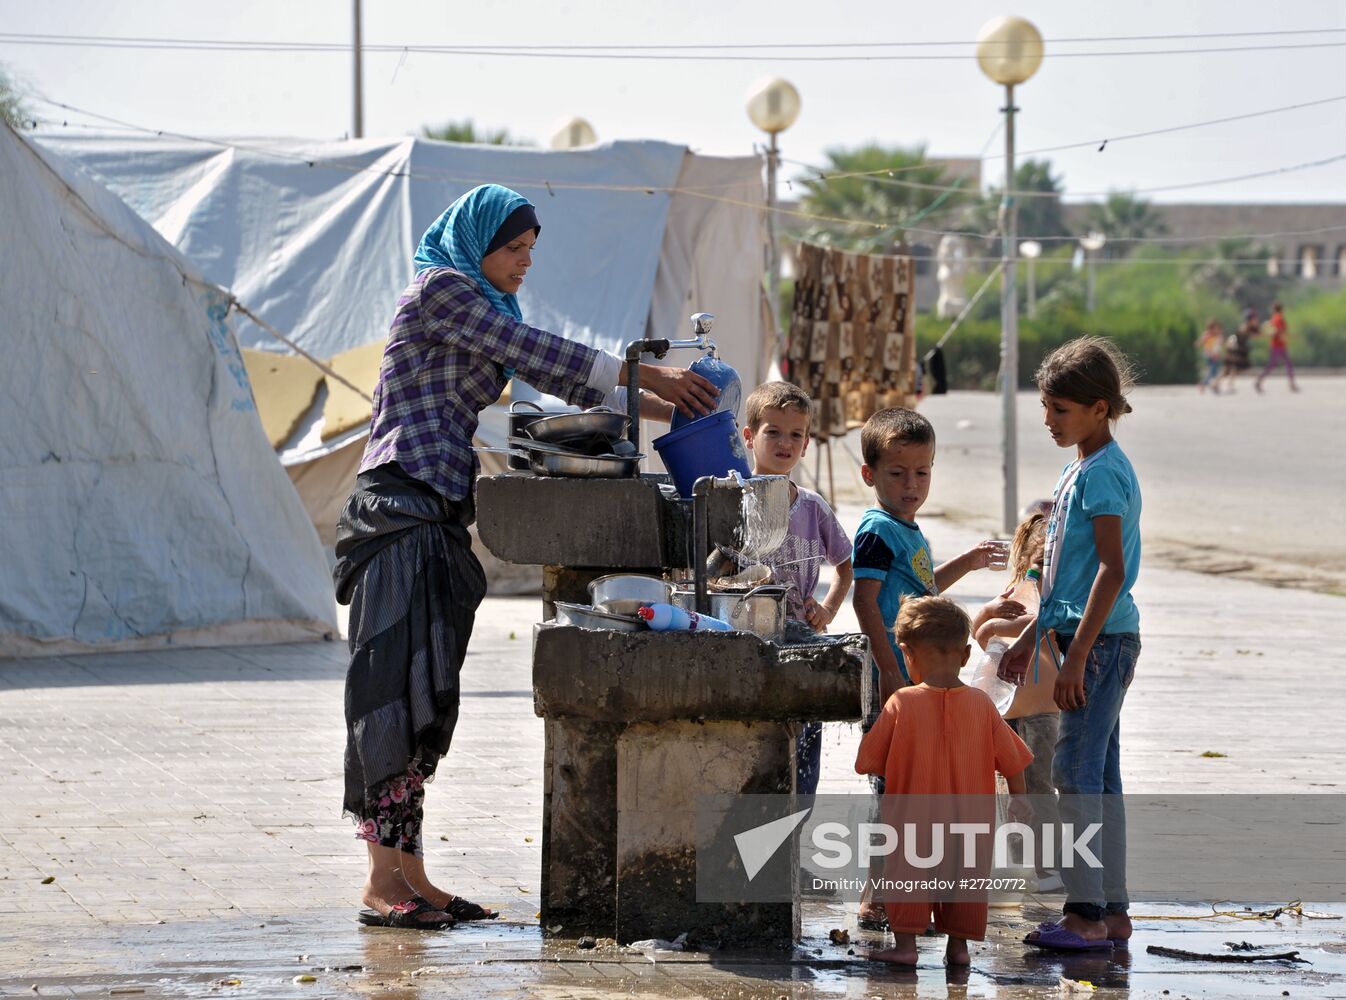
[(584, 466), (626, 593), (587, 617), (600, 422), (760, 610)]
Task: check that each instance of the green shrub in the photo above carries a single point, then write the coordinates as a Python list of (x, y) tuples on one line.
[(1152, 312), (1158, 344)]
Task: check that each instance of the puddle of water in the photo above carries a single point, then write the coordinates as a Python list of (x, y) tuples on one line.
[(245, 959)]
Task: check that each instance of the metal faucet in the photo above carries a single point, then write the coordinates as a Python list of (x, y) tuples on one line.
[(700, 341)]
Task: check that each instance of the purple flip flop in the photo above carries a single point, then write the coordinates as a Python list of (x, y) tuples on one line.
[(1054, 937)]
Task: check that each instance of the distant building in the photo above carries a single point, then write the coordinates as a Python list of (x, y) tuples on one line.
[(1307, 252), (1313, 256)]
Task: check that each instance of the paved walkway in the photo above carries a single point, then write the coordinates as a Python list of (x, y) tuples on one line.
[(186, 807), (1238, 485)]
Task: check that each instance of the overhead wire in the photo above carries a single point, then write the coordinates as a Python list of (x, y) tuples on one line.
[(1100, 142), (673, 46), (695, 53), (553, 186)]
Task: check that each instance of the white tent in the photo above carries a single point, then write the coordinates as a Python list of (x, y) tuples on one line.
[(317, 239), (142, 504)]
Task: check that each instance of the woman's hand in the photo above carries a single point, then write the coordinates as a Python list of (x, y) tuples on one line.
[(693, 395)]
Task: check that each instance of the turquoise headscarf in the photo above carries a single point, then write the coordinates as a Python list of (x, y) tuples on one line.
[(460, 236)]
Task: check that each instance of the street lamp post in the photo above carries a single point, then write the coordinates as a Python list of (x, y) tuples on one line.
[(1092, 243), (1031, 250), (357, 76), (773, 106), (1009, 51)]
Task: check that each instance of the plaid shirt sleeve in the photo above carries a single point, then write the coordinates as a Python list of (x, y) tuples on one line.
[(454, 313)]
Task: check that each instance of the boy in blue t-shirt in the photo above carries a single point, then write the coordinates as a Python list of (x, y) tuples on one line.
[(891, 557)]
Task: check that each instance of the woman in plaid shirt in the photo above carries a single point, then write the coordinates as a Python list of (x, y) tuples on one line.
[(404, 559)]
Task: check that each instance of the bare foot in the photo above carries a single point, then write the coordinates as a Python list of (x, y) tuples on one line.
[(903, 951), (897, 956), (956, 952), (1118, 926), (387, 885)]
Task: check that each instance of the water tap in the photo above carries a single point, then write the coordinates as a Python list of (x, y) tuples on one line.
[(700, 339)]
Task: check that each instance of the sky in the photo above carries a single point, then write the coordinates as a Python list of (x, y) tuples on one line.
[(947, 104)]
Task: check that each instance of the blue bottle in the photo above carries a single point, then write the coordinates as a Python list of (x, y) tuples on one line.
[(711, 368)]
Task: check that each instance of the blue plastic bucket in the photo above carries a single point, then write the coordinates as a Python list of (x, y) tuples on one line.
[(711, 446)]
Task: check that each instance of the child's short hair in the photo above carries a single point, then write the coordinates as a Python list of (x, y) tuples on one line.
[(895, 424), (936, 621), (1086, 370), (1031, 529), (776, 396)]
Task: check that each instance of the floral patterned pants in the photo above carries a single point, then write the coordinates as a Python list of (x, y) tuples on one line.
[(396, 811)]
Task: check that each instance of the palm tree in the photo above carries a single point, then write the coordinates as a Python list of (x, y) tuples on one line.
[(881, 193), (1123, 216), (1238, 270), (466, 131), (1038, 216)]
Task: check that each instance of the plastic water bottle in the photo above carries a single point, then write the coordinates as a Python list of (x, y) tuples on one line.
[(984, 675), (724, 378), (670, 618)]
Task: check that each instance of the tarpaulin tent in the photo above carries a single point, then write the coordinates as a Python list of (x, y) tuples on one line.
[(142, 503), (316, 239)]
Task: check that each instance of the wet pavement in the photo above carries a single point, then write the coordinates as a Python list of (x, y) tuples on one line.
[(171, 824), (245, 958)]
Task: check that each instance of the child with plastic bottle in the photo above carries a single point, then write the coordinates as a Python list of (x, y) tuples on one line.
[(1032, 712)]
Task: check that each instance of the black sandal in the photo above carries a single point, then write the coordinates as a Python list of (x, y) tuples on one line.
[(462, 909), (406, 916)]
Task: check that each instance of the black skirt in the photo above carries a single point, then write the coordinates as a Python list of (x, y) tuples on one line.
[(406, 568)]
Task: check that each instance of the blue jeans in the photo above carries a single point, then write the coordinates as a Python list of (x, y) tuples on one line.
[(1087, 771), (808, 758)]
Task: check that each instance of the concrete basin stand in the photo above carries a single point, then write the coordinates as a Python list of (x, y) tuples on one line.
[(639, 725)]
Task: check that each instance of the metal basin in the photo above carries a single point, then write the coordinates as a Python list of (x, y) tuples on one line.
[(626, 593), (584, 466), (587, 617), (760, 610), (567, 428)]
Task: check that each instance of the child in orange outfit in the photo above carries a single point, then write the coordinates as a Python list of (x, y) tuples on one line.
[(939, 737)]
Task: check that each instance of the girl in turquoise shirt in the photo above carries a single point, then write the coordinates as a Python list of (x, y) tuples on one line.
[(1091, 562)]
